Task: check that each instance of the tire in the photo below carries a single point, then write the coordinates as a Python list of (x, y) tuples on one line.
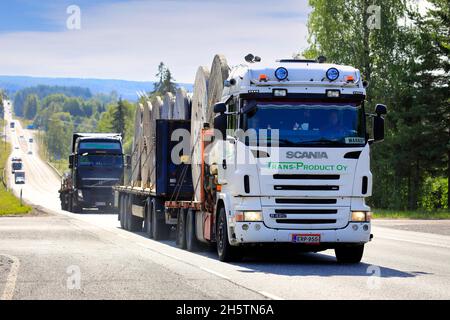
[(148, 220), (75, 207), (192, 243), (121, 211), (134, 223), (225, 251), (159, 227), (181, 229), (351, 254)]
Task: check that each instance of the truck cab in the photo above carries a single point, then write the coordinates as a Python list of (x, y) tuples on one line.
[(295, 161), (96, 164)]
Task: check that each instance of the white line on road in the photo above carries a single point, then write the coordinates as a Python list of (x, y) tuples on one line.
[(416, 242), (10, 285), (270, 296), (215, 273)]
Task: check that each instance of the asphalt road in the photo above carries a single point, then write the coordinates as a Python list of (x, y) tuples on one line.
[(59, 255)]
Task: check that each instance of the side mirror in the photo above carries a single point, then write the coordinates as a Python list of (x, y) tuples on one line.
[(220, 108), (220, 123), (127, 161), (380, 110), (378, 129), (71, 161)]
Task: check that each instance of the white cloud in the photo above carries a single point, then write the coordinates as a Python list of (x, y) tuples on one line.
[(128, 40)]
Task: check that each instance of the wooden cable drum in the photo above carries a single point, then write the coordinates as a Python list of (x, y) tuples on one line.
[(219, 73), (181, 110), (156, 106), (168, 106), (147, 144), (137, 147), (199, 116)]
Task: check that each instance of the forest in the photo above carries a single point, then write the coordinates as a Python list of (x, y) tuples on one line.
[(403, 52)]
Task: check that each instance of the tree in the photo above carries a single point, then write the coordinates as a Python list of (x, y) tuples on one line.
[(165, 81), (31, 106), (392, 56), (118, 118), (59, 135), (434, 78)]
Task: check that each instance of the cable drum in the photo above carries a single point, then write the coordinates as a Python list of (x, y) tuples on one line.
[(167, 107), (219, 73), (199, 116), (182, 110), (137, 147), (155, 114), (147, 144)]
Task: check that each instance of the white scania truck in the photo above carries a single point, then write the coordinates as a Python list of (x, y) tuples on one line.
[(300, 178)]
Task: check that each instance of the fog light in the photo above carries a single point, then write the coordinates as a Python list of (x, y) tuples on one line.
[(366, 227), (245, 227), (355, 227)]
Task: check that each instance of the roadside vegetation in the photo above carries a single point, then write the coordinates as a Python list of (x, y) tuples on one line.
[(417, 214), (404, 55), (9, 204)]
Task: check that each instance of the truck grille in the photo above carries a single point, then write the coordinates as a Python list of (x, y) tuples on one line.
[(306, 176), (305, 201), (306, 188), (306, 221)]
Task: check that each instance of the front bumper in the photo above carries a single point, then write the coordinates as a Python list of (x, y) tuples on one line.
[(257, 232)]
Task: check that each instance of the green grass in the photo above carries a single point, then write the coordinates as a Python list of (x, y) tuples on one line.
[(9, 204), (421, 215)]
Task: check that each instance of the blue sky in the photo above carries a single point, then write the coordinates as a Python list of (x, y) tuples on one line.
[(127, 39)]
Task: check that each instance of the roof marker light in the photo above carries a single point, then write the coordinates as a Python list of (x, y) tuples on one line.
[(332, 74), (349, 78)]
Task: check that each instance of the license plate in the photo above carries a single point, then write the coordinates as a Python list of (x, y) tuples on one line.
[(306, 238), (100, 203)]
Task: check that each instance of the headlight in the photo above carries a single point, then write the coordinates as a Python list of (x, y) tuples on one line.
[(361, 216), (248, 216)]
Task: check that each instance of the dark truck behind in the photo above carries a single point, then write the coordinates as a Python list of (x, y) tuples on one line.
[(96, 165)]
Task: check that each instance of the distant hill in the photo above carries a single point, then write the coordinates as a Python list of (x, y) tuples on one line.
[(125, 89)]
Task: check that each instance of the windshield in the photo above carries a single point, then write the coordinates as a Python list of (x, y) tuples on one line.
[(114, 161), (307, 124)]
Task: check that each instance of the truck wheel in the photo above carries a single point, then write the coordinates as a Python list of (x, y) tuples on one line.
[(160, 229), (121, 211), (181, 229), (226, 252), (76, 208), (192, 243), (148, 221), (351, 254), (134, 223)]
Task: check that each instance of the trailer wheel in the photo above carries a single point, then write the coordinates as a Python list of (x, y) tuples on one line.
[(181, 229), (351, 254), (148, 227), (226, 252), (134, 223), (192, 243), (159, 227), (121, 215)]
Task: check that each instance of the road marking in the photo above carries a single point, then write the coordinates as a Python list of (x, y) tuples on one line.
[(10, 285), (215, 273), (270, 296), (416, 242)]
